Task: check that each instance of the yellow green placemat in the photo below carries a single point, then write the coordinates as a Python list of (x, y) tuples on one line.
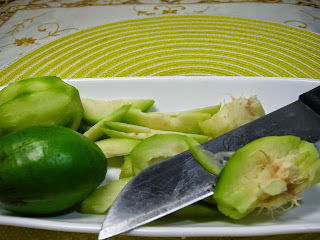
[(176, 45)]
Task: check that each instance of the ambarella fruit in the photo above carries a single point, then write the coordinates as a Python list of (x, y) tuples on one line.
[(266, 174), (39, 100)]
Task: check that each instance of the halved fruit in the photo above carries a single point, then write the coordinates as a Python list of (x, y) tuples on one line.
[(266, 174)]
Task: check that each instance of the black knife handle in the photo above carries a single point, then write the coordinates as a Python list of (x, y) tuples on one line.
[(312, 99)]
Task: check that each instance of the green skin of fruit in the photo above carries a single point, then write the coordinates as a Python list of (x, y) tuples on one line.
[(266, 174), (48, 169), (40, 100)]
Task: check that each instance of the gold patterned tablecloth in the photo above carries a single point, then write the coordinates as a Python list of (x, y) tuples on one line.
[(120, 38)]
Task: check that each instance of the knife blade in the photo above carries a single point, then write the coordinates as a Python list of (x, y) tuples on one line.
[(180, 181)]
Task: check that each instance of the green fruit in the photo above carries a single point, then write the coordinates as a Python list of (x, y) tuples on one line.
[(40, 100), (113, 147), (119, 129), (95, 132), (266, 174), (48, 169), (96, 110), (232, 115), (101, 199), (156, 149), (213, 163), (126, 168), (186, 121)]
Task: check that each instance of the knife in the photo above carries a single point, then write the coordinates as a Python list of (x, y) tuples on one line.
[(180, 180)]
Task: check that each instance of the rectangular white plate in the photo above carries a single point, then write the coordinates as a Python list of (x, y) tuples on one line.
[(182, 93)]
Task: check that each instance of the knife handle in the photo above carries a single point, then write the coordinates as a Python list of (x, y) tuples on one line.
[(312, 99)]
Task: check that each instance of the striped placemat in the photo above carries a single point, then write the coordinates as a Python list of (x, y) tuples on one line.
[(176, 45)]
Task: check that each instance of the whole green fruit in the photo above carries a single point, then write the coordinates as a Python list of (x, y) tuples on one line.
[(48, 169), (36, 101)]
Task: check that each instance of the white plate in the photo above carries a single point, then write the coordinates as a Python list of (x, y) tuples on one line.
[(181, 93)]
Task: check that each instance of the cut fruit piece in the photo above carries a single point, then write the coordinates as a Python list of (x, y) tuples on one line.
[(213, 163), (232, 115), (156, 149), (96, 110), (210, 109), (126, 168), (267, 173), (186, 121), (140, 133), (95, 132), (199, 210), (113, 147), (101, 199)]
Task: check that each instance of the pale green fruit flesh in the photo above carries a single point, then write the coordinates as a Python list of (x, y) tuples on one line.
[(200, 210), (101, 199), (186, 121), (232, 115), (126, 168), (213, 163), (266, 174), (96, 110), (39, 101), (156, 149), (119, 129), (113, 147), (95, 132)]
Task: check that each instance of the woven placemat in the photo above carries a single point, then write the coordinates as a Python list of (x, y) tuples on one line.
[(176, 45)]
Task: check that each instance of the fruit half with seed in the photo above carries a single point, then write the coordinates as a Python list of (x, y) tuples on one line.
[(266, 174)]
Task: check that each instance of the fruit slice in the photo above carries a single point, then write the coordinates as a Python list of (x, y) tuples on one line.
[(95, 132), (126, 168), (39, 101), (232, 115), (113, 147), (200, 210), (210, 109), (267, 173), (186, 121), (155, 149), (101, 199), (213, 163), (96, 110), (139, 132)]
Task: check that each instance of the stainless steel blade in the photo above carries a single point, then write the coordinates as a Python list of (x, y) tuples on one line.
[(180, 181)]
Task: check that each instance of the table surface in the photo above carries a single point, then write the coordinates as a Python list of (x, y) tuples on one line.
[(123, 38)]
